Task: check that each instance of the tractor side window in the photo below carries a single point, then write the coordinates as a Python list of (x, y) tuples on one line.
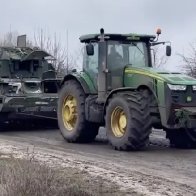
[(115, 55), (93, 60), (137, 54), (90, 64), (115, 63), (126, 53)]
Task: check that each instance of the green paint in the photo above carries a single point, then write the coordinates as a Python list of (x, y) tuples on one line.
[(133, 38), (169, 77), (83, 76)]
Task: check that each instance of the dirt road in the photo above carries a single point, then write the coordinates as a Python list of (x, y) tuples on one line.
[(160, 170)]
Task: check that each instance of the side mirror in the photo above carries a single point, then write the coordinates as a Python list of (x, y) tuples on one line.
[(90, 49), (168, 50)]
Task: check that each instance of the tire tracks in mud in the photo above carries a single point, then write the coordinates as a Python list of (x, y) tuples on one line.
[(131, 180)]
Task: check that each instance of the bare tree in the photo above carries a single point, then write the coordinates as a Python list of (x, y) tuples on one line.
[(9, 39), (76, 59), (63, 62), (54, 46), (159, 57), (189, 60)]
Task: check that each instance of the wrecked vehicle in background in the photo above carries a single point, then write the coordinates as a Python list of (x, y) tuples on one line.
[(28, 83)]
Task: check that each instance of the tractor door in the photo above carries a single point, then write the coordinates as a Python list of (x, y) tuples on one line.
[(121, 54), (115, 62)]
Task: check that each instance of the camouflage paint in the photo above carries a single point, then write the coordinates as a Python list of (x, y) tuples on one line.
[(28, 83)]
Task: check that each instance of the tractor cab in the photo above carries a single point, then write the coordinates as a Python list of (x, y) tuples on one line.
[(107, 55)]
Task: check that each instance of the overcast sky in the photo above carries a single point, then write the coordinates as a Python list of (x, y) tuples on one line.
[(176, 18)]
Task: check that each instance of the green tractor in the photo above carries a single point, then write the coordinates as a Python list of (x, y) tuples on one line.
[(119, 89)]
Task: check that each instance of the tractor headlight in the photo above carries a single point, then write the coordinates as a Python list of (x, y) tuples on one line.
[(177, 87), (194, 87)]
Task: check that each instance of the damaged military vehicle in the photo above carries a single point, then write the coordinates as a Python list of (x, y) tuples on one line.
[(28, 84)]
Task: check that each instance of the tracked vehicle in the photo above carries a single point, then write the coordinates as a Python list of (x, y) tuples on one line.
[(28, 84), (119, 89)]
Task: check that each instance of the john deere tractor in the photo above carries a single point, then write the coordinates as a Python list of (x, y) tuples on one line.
[(119, 89)]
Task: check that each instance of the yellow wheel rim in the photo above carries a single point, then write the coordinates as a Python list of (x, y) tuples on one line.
[(69, 112), (118, 122)]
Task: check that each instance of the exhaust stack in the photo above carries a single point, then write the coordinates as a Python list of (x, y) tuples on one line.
[(102, 68)]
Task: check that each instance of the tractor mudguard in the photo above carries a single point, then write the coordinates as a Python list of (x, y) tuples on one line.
[(116, 91), (83, 79), (127, 89)]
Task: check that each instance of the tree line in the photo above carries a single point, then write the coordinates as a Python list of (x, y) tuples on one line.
[(64, 62)]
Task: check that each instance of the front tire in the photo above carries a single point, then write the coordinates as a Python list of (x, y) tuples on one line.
[(71, 114), (128, 121)]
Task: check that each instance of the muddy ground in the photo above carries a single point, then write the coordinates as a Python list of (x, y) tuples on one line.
[(159, 170)]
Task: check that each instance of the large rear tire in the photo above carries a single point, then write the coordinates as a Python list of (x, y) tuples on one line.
[(71, 114), (182, 138), (128, 120)]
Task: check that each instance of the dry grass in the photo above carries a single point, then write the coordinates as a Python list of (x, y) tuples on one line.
[(28, 178)]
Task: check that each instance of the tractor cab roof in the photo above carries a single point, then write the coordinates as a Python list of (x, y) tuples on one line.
[(118, 37)]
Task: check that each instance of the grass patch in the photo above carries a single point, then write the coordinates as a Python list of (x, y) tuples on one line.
[(29, 178)]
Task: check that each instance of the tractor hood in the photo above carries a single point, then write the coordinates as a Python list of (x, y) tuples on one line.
[(169, 77)]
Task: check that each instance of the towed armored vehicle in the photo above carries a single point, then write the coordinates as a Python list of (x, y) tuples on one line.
[(28, 83), (119, 89)]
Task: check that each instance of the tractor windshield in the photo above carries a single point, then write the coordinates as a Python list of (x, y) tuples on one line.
[(127, 53)]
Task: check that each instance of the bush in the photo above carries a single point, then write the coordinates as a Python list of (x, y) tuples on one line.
[(28, 178)]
